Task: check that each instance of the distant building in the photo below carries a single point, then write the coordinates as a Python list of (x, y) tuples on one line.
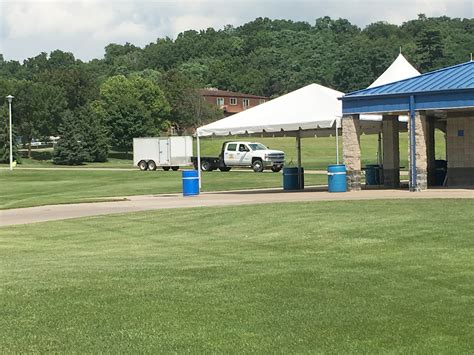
[(231, 102)]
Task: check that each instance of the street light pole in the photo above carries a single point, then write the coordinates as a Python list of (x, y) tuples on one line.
[(10, 98)]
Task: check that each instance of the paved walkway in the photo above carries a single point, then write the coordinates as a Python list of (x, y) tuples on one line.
[(156, 202)]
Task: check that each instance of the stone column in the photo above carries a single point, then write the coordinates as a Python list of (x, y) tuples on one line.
[(421, 136), (391, 151), (351, 150), (430, 150)]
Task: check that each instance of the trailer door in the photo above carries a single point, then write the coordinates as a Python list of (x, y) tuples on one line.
[(164, 152)]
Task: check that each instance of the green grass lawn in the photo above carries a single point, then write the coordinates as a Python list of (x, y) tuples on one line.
[(25, 188), (327, 277), (317, 153)]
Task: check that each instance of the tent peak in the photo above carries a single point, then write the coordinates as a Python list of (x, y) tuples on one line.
[(400, 69)]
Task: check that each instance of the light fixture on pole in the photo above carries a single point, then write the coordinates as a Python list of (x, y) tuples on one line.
[(10, 98)]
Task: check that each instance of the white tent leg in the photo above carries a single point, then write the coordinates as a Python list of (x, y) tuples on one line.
[(199, 160), (337, 143), (379, 149), (298, 151)]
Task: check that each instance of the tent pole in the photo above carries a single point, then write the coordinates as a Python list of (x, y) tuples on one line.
[(198, 160), (379, 149), (337, 144), (298, 151)]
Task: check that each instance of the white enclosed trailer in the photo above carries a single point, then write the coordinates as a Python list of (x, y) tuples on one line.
[(166, 152)]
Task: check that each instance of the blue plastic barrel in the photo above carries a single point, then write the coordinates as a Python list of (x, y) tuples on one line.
[(290, 179), (337, 178), (190, 182), (372, 174)]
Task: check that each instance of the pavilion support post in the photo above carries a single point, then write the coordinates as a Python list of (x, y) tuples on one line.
[(391, 151), (418, 130), (430, 150), (351, 150)]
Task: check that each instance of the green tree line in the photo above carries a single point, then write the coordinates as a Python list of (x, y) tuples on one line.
[(135, 91)]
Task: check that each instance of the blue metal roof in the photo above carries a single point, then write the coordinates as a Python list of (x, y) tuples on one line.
[(457, 77), (451, 87)]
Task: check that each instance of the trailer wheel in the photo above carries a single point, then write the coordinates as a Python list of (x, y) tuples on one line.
[(257, 166), (276, 169), (225, 169), (175, 168), (165, 168), (205, 165), (151, 165), (142, 165)]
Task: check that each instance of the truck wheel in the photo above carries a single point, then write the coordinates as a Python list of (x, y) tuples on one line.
[(175, 168), (205, 165), (276, 169), (151, 165), (224, 169), (166, 168), (257, 166), (142, 165)]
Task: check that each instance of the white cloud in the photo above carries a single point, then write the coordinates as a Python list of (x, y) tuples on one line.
[(85, 27)]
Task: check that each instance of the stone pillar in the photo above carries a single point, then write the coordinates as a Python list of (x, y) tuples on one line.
[(421, 134), (430, 150), (351, 150), (391, 151)]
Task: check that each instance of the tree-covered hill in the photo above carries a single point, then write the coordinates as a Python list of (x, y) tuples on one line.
[(263, 57)]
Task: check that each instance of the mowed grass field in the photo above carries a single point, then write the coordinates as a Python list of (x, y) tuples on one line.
[(26, 188), (325, 277), (317, 153)]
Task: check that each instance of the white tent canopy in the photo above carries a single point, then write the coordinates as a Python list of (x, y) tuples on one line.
[(400, 69), (311, 107)]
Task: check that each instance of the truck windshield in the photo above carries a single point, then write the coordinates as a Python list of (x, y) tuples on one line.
[(257, 146)]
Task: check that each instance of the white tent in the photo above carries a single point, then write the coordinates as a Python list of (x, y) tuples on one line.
[(311, 107), (400, 69)]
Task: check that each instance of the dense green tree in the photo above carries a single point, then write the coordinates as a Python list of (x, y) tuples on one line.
[(38, 110), (70, 148), (132, 107), (60, 59), (78, 85), (5, 138), (188, 109), (95, 138), (429, 49)]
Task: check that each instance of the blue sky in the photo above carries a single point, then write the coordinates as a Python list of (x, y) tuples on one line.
[(85, 27)]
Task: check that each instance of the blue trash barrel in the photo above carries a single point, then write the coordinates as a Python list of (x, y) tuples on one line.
[(372, 174), (190, 182), (337, 178), (290, 179)]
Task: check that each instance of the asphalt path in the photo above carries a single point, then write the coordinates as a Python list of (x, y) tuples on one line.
[(231, 198)]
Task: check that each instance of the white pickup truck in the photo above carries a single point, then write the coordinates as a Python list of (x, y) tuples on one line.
[(243, 154)]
